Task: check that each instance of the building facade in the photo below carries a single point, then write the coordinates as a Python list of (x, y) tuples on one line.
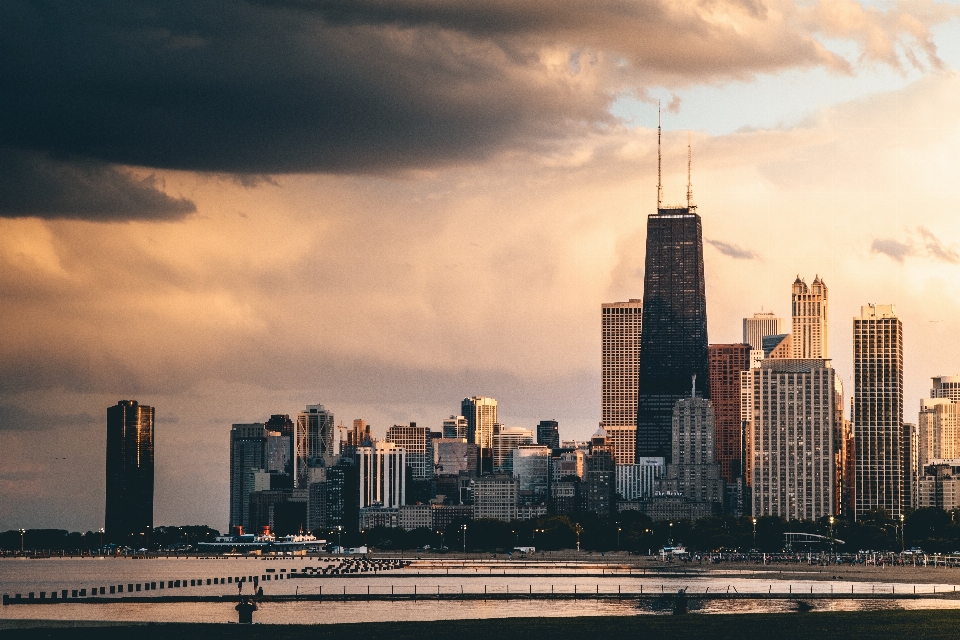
[(495, 497), (638, 481), (505, 440), (791, 413), (382, 470), (418, 447), (621, 326), (674, 338), (809, 336), (761, 325), (531, 467), (455, 428), (481, 414), (548, 433), (313, 442), (128, 517), (248, 454), (694, 472), (878, 410), (727, 361)]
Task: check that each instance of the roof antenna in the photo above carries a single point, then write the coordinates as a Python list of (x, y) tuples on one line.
[(659, 182), (689, 182), (693, 388)]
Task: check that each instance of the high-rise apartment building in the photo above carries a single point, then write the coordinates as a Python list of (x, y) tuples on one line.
[(761, 325), (809, 336), (623, 443), (946, 387), (878, 410), (455, 427), (694, 472), (505, 440), (382, 471), (417, 444), (620, 330), (129, 506), (481, 415), (674, 338), (548, 433), (726, 363), (793, 423), (495, 497), (313, 442), (938, 431)]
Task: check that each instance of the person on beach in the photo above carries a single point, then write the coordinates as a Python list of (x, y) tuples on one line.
[(245, 610)]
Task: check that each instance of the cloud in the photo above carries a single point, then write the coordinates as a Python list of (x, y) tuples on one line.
[(732, 250), (936, 249), (372, 86), (892, 248), (36, 185), (14, 418)]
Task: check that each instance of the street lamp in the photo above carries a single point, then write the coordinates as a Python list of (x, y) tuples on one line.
[(754, 532), (101, 540), (22, 532), (903, 538), (440, 531), (831, 535), (464, 527), (339, 539), (618, 538), (578, 529)]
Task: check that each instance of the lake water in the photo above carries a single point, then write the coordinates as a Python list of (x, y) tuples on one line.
[(55, 574)]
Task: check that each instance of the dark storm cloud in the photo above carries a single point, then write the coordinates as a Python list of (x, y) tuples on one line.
[(242, 88), (732, 250), (14, 418), (367, 85), (33, 184)]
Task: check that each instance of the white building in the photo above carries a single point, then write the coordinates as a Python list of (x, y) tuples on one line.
[(760, 326), (878, 410), (637, 481), (382, 475)]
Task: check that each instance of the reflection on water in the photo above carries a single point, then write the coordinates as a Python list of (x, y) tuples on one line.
[(23, 576)]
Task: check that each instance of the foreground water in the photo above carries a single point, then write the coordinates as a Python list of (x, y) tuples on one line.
[(424, 578)]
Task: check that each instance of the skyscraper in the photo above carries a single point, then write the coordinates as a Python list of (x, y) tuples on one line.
[(313, 445), (878, 410), (761, 325), (455, 427), (674, 338), (726, 363), (694, 471), (548, 433), (417, 444), (129, 507), (505, 440), (382, 475), (248, 455), (282, 423), (481, 415), (793, 425), (620, 329), (809, 337)]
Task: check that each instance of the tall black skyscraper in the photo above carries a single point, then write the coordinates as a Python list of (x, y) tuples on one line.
[(673, 344), (129, 510)]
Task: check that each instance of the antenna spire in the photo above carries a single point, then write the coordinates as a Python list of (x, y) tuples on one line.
[(659, 181), (689, 182)]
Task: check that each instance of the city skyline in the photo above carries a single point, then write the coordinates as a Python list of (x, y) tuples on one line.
[(254, 271)]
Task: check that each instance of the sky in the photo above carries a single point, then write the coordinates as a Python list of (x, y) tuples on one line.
[(230, 209)]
